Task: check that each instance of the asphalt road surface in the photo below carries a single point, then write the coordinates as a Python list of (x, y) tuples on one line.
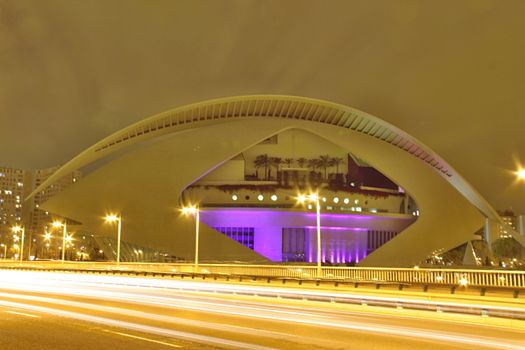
[(40, 310)]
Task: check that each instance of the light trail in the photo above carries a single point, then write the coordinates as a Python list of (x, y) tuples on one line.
[(207, 287), (154, 293), (155, 317), (22, 314), (377, 329), (145, 339), (136, 326)]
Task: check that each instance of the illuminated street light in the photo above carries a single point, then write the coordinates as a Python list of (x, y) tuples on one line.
[(47, 236), (194, 210), (521, 174), (58, 224), (17, 229), (112, 218), (315, 199)]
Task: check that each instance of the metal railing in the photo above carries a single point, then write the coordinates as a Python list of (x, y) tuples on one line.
[(429, 276)]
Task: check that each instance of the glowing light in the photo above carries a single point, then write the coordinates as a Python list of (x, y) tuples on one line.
[(260, 197), (301, 198), (47, 236), (16, 229), (314, 197), (112, 218), (463, 281), (190, 210), (336, 200), (346, 201), (273, 197), (234, 197), (57, 224), (521, 174)]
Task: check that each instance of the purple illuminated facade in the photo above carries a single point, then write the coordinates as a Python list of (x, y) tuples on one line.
[(291, 235)]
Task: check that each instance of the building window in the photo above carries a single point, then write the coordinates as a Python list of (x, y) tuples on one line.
[(295, 243), (242, 235)]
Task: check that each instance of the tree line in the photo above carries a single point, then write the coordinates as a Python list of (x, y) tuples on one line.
[(323, 162)]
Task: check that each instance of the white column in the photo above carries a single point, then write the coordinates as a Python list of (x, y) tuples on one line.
[(318, 207), (487, 234), (197, 219), (521, 225), (64, 234)]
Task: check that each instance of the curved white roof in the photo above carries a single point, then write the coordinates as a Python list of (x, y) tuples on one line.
[(270, 106)]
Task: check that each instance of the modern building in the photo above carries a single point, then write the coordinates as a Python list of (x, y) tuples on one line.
[(386, 199), (511, 220), (13, 189), (15, 185)]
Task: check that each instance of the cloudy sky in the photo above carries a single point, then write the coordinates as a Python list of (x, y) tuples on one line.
[(450, 73)]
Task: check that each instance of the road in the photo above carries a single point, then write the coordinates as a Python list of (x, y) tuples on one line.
[(43, 310)]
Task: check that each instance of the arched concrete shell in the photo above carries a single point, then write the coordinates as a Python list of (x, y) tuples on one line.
[(208, 133)]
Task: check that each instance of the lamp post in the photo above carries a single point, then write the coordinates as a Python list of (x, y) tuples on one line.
[(5, 250), (58, 224), (194, 210), (314, 198), (21, 229), (47, 239), (112, 218)]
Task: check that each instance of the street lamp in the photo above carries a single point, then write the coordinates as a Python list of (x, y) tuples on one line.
[(5, 250), (112, 218), (58, 224), (17, 229), (315, 199), (47, 239), (520, 174), (194, 210)]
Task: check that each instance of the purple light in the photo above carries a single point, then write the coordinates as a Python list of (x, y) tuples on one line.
[(337, 228), (342, 239)]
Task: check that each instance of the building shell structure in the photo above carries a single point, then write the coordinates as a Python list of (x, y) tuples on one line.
[(143, 170)]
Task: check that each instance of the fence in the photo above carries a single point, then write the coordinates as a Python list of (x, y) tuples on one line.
[(477, 278)]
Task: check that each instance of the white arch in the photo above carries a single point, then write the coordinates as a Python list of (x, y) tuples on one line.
[(272, 106)]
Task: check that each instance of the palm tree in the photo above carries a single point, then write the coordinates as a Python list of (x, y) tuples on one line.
[(337, 161), (325, 162), (276, 162), (302, 162), (288, 162), (263, 161), (314, 163)]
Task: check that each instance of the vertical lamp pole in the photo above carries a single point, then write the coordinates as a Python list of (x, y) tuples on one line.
[(17, 229), (5, 250), (58, 224), (194, 210), (118, 219), (314, 198), (318, 207)]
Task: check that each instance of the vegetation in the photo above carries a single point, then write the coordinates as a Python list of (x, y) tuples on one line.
[(507, 247)]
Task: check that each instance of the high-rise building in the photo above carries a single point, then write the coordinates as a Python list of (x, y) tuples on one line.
[(511, 219), (15, 186)]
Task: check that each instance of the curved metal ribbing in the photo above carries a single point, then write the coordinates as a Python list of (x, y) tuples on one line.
[(276, 107)]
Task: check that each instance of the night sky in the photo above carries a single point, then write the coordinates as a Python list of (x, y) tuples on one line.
[(451, 73)]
